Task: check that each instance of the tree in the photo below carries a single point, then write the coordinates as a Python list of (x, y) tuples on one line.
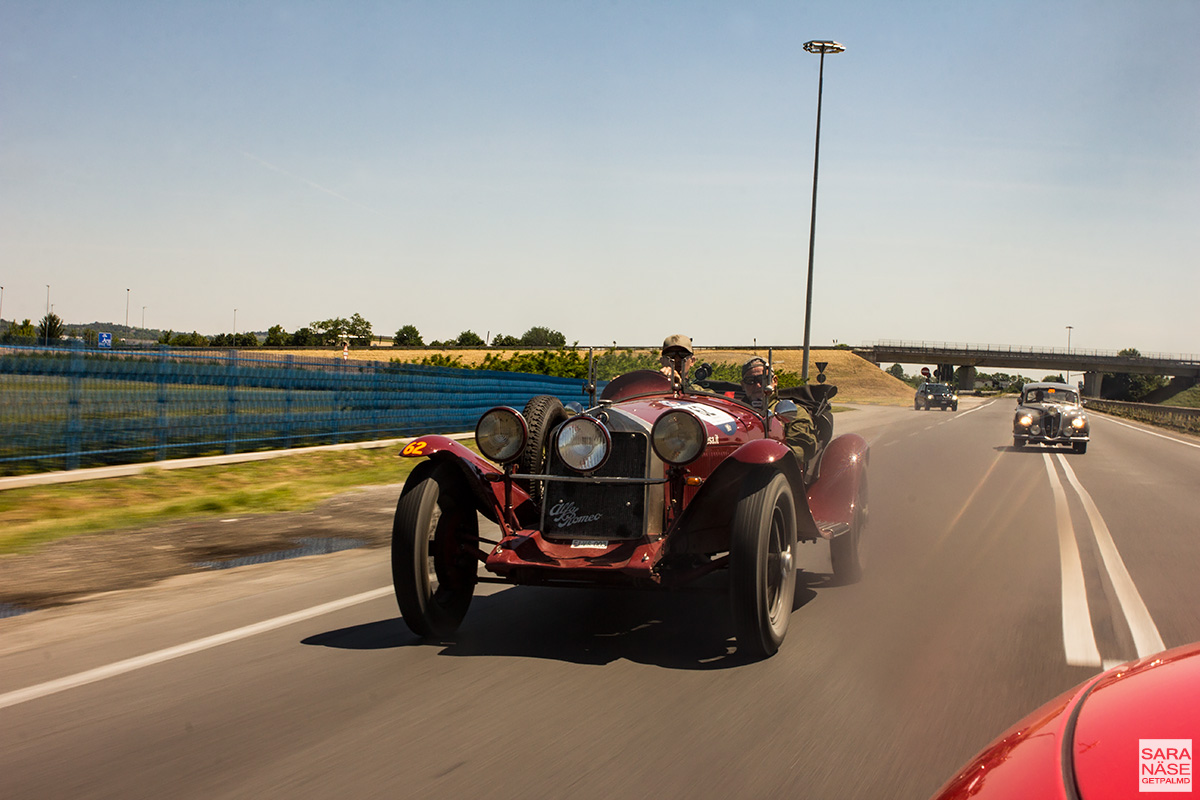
[(469, 339), (500, 340), (897, 372), (90, 337), (276, 336), (1128, 386), (359, 330), (192, 339), (331, 331), (1053, 378), (223, 340), (245, 339), (304, 337), (542, 337), (408, 336), (50, 329)]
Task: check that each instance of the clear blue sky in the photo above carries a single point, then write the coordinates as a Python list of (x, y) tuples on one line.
[(990, 171)]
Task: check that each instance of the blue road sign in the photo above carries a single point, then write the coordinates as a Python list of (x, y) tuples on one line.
[(105, 340)]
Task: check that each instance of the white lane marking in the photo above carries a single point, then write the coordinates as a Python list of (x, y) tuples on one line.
[(973, 410), (1152, 433), (138, 662), (1145, 634), (1079, 640)]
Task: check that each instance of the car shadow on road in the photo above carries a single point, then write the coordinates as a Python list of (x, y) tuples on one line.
[(686, 630)]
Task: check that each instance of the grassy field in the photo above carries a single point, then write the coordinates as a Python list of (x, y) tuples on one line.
[(37, 515)]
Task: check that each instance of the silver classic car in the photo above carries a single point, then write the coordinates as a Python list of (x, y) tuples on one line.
[(1051, 413)]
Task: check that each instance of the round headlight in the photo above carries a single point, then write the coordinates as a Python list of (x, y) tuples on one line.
[(678, 437), (1026, 420), (583, 444), (501, 434), (1078, 422)]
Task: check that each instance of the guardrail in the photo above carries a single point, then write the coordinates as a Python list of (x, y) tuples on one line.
[(66, 408), (1178, 418)]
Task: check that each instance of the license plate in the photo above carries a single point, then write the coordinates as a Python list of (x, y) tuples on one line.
[(589, 543)]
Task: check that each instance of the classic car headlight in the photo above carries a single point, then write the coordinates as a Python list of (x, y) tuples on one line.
[(678, 437), (1078, 422), (501, 434), (583, 444), (1025, 420)]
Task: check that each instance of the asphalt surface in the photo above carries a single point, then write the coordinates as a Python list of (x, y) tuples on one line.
[(216, 685)]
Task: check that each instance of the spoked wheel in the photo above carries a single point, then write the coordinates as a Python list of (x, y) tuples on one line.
[(845, 551), (762, 565), (434, 542)]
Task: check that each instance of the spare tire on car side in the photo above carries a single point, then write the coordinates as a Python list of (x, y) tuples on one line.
[(543, 414)]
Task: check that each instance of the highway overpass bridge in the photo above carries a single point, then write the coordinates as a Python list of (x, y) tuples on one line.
[(965, 358)]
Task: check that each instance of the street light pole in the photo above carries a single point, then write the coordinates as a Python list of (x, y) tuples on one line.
[(47, 315), (1069, 327), (126, 308), (143, 318), (821, 48)]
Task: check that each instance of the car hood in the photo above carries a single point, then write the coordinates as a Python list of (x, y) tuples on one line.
[(1105, 722), (1131, 706), (725, 421)]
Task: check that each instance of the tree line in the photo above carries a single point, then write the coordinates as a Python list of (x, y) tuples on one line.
[(355, 331)]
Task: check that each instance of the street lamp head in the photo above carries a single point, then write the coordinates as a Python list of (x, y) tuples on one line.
[(824, 47)]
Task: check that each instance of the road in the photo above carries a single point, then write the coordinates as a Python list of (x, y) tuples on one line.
[(996, 579)]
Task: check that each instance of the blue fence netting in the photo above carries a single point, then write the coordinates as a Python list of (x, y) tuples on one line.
[(67, 408)]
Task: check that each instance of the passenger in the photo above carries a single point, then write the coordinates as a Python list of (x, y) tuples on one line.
[(800, 434), (676, 347)]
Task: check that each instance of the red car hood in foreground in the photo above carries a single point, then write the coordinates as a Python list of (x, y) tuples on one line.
[(1127, 733)]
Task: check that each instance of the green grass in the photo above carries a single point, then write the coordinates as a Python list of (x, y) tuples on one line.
[(1188, 398), (37, 515)]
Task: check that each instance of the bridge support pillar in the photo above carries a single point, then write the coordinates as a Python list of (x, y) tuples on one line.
[(964, 379), (1091, 384)]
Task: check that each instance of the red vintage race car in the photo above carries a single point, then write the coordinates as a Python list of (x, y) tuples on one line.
[(1128, 732), (659, 483)]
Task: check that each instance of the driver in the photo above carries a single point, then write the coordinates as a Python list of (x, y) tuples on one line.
[(676, 346), (800, 433)]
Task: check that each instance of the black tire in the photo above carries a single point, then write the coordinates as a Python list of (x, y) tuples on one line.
[(845, 551), (543, 414), (1080, 447), (762, 576), (436, 531), (1018, 443)]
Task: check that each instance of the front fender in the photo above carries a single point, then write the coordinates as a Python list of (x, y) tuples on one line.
[(478, 473), (703, 527), (843, 467)]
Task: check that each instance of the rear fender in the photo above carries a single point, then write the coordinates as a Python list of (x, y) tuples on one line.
[(843, 465), (479, 475), (703, 527)]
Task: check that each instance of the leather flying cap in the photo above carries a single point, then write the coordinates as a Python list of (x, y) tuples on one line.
[(749, 366), (676, 342)]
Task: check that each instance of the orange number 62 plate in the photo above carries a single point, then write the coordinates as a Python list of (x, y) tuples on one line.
[(413, 449)]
